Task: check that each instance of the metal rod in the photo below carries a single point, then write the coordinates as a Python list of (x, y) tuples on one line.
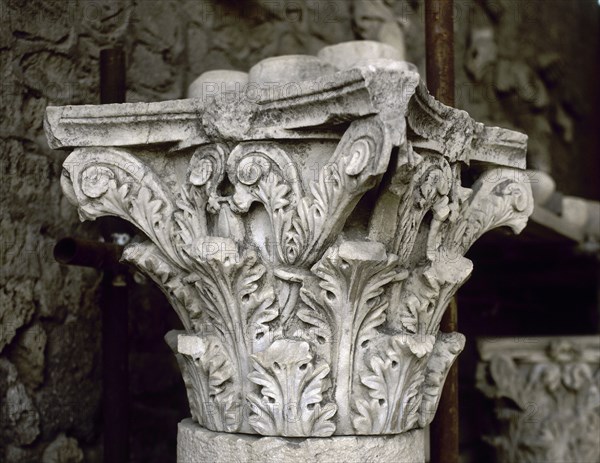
[(114, 297), (444, 427), (439, 43), (114, 304), (112, 76), (115, 368), (115, 314), (86, 253)]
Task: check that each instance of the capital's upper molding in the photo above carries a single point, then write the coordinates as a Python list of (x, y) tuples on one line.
[(309, 240), (317, 108)]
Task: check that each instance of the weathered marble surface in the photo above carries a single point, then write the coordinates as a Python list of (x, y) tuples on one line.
[(51, 50), (309, 234), (575, 218), (547, 397), (196, 444)]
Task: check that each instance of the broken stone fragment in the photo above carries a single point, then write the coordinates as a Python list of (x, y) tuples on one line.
[(63, 449)]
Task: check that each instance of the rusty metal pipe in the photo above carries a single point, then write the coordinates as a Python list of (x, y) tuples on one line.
[(115, 313), (115, 368), (439, 42), (439, 45), (112, 76), (86, 253), (114, 304), (444, 427), (105, 256)]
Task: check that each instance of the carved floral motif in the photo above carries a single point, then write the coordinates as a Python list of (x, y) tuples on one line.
[(292, 388), (310, 303)]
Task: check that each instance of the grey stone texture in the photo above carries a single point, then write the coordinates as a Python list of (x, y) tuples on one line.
[(545, 397), (196, 444), (373, 285), (526, 65)]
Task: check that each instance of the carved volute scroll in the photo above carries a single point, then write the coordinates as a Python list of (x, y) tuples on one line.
[(309, 241)]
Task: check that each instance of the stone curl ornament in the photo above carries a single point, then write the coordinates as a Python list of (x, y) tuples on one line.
[(309, 233)]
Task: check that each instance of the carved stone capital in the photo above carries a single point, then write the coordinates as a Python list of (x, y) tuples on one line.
[(309, 238), (547, 397)]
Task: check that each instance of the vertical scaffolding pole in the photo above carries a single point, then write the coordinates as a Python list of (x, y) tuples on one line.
[(112, 76), (439, 43), (115, 321)]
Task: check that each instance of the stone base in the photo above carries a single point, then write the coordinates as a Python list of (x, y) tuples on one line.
[(196, 444)]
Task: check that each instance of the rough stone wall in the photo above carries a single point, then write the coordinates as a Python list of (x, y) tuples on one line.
[(524, 65), (531, 65), (49, 318)]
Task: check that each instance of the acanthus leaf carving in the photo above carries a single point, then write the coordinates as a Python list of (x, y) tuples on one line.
[(160, 269), (292, 387), (446, 348), (237, 298), (394, 379), (422, 185), (501, 198), (207, 373), (321, 292), (305, 223), (351, 301), (110, 181)]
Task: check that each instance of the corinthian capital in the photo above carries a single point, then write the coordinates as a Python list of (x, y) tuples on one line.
[(546, 394), (308, 223)]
